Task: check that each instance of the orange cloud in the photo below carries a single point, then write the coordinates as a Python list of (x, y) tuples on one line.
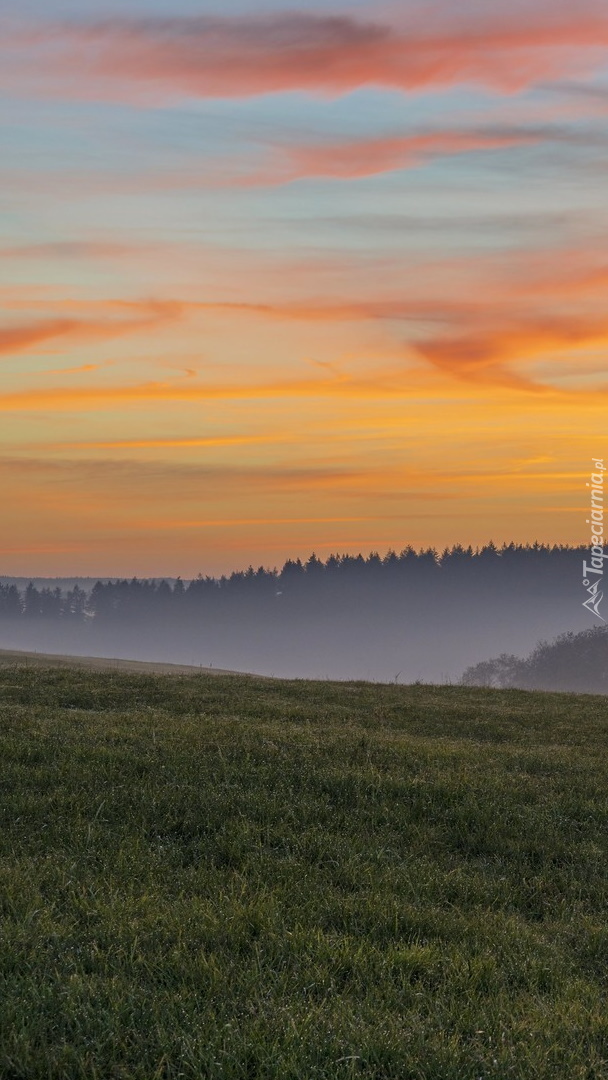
[(485, 353), (17, 338), (14, 339), (80, 370), (463, 359), (565, 272), (170, 444), (477, 318), (211, 56), (100, 397), (371, 157)]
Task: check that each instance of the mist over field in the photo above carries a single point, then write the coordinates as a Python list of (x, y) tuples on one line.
[(412, 616)]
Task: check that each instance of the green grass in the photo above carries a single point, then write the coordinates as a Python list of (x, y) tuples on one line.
[(233, 878)]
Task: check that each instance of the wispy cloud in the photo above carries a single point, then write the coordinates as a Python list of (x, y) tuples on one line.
[(362, 157), (104, 397), (489, 352), (477, 356), (82, 249), (212, 442), (16, 339)]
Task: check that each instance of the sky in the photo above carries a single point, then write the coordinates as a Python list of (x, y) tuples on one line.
[(298, 277)]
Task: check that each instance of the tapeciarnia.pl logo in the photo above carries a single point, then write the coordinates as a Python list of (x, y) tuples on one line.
[(593, 571)]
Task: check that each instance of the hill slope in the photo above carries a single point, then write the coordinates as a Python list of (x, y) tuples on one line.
[(15, 658), (230, 877)]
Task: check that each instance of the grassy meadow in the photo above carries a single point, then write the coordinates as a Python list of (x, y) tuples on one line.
[(233, 878)]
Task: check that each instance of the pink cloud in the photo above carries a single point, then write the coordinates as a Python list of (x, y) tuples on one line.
[(358, 158), (209, 56)]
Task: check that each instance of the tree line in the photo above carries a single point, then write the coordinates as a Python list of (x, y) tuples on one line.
[(520, 568), (571, 662)]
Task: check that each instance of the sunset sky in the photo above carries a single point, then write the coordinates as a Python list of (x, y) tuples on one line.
[(298, 277)]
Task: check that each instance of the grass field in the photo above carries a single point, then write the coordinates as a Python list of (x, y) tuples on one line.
[(236, 878)]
